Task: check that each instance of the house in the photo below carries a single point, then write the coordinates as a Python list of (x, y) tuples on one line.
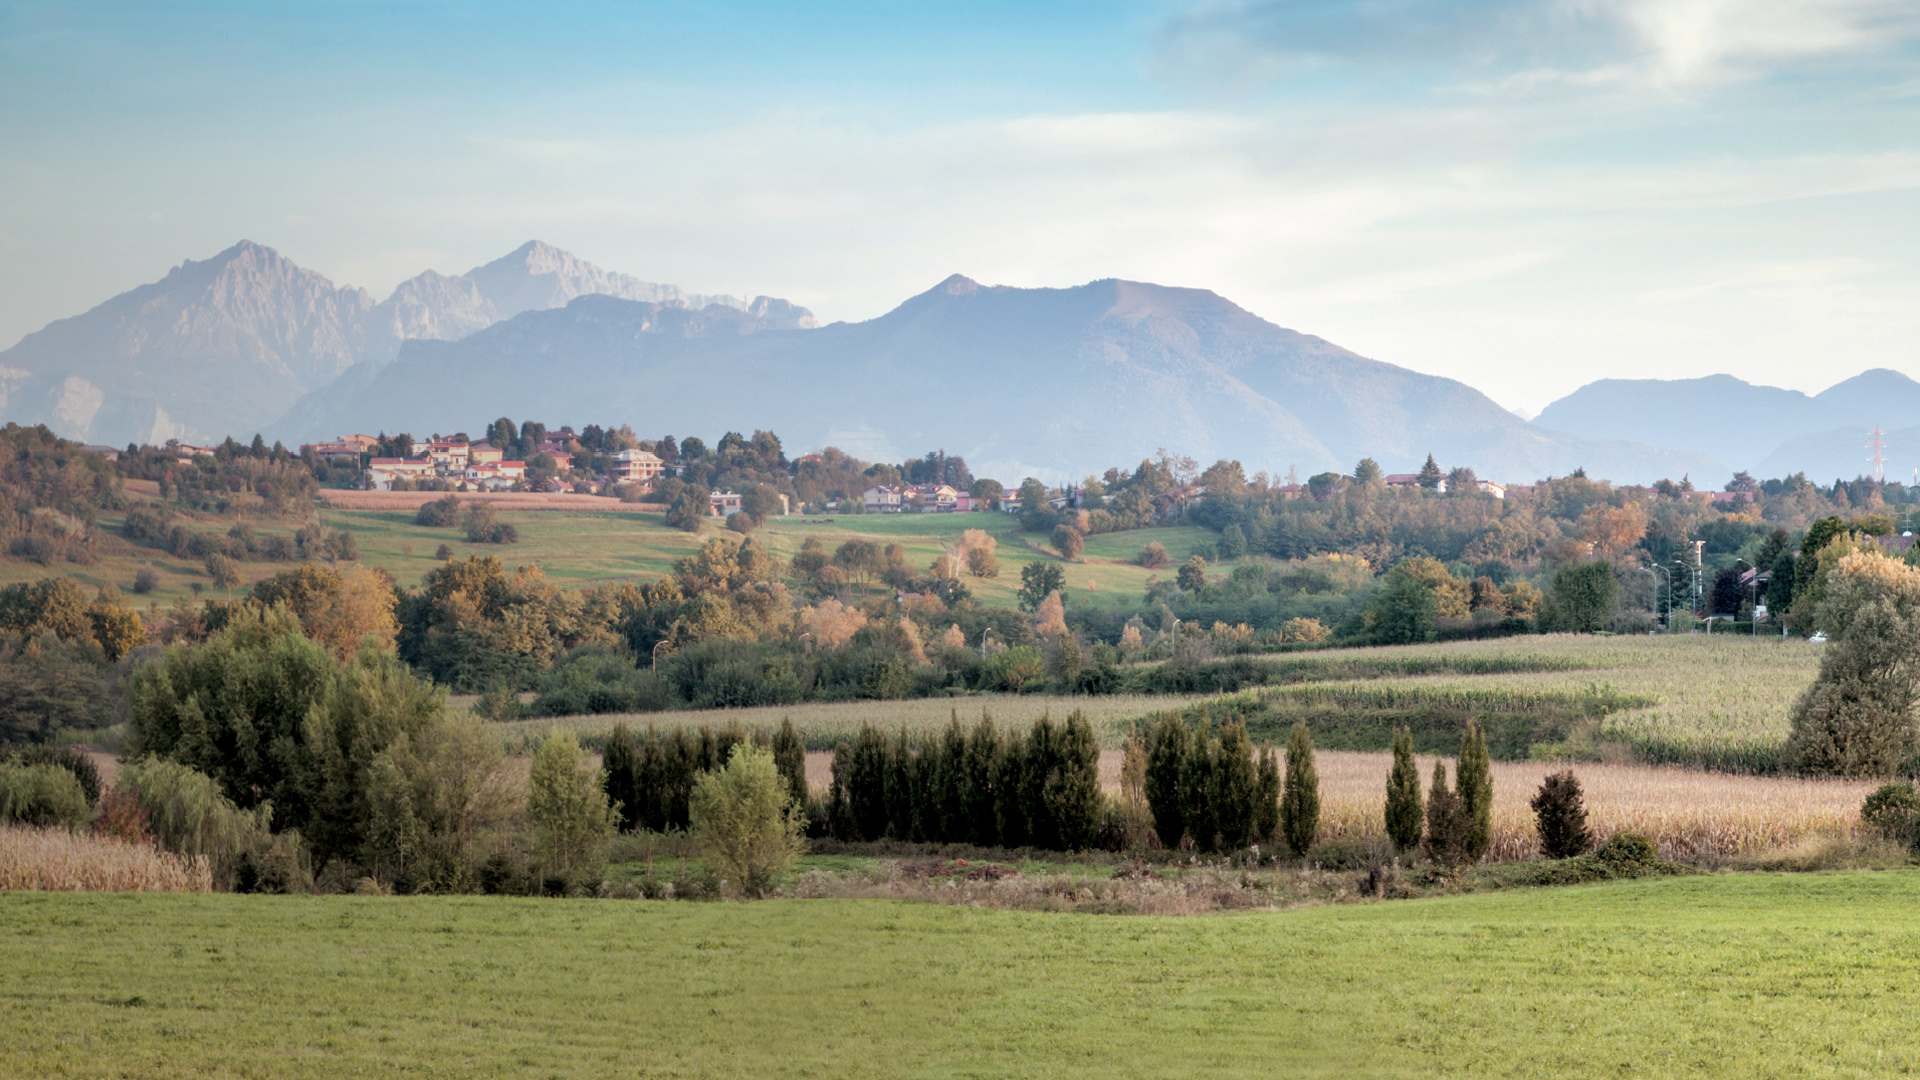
[(111, 453), (1730, 498), (1488, 487), (482, 453), (346, 449), (936, 498), (637, 467), (883, 500), (495, 475), (1407, 479), (724, 503), (385, 470), (449, 456)]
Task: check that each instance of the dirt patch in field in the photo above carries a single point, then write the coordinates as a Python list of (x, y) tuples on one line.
[(504, 500)]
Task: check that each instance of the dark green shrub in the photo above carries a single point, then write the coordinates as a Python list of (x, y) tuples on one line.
[(1072, 788), (65, 757), (1266, 803), (981, 770), (41, 795), (618, 775), (600, 679), (441, 513), (1627, 852), (790, 758), (1560, 814), (1235, 787)]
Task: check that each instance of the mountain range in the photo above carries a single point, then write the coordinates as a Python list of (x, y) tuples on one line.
[(227, 345), (1055, 383)]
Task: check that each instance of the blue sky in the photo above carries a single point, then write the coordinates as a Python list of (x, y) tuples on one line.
[(1523, 195)]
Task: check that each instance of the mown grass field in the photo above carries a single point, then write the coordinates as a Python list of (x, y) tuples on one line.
[(1719, 976), (581, 547)]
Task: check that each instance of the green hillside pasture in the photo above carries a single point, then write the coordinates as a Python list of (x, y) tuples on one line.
[(822, 724), (1736, 976)]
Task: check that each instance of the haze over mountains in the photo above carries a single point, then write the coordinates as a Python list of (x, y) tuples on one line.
[(1054, 383), (226, 345)]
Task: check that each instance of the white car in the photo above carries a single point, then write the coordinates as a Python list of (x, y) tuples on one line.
[(1819, 637)]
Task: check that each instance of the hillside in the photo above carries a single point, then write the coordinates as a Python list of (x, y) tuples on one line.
[(226, 345), (1055, 383)]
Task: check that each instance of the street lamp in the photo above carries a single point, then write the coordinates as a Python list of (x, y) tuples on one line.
[(656, 653), (1669, 573)]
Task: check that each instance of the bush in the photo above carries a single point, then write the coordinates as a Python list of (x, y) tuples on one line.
[(746, 821), (1016, 668), (145, 580), (63, 757), (1894, 812), (1449, 825), (1404, 805), (1561, 817), (440, 513), (1629, 851), (41, 795), (567, 803), (484, 526), (1154, 557), (443, 553), (600, 679), (189, 816), (1857, 719)]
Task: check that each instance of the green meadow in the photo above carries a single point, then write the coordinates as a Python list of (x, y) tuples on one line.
[(1735, 976)]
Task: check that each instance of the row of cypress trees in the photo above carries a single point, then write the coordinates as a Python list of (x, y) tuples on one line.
[(1038, 788), (651, 780), (1212, 789), (1452, 826)]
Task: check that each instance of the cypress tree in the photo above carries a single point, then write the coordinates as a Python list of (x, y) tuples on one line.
[(704, 750), (924, 771), (899, 787), (1300, 804), (617, 777), (1166, 760), (983, 762), (649, 782), (952, 785), (1473, 782), (1446, 821), (790, 758), (1196, 791), (1405, 813), (682, 764), (867, 784), (724, 740), (839, 805), (1561, 814), (1073, 794), (1008, 776), (1266, 803), (1042, 759), (1236, 787)]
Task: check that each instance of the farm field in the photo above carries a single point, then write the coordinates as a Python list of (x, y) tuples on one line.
[(1715, 976), (577, 547)]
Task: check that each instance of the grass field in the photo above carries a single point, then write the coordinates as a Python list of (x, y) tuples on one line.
[(577, 547), (1720, 976)]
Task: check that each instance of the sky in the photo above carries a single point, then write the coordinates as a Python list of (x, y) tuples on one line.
[(1522, 195)]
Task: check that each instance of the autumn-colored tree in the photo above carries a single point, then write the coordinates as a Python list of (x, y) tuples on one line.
[(1051, 616), (833, 624)]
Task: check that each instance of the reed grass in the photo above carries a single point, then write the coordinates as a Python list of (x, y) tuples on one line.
[(57, 860)]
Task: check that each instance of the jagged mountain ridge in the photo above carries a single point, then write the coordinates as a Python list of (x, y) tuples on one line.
[(228, 344), (1048, 382)]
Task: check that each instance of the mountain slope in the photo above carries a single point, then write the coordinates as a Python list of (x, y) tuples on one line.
[(215, 346), (1720, 415), (1050, 382), (227, 345)]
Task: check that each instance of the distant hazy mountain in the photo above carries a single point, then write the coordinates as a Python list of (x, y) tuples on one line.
[(227, 345), (1762, 429), (218, 346), (1049, 382)]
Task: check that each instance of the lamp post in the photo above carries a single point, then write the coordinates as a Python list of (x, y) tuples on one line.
[(656, 653), (1669, 573)]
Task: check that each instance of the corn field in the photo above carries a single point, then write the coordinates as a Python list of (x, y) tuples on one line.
[(1689, 814), (56, 860), (822, 724)]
